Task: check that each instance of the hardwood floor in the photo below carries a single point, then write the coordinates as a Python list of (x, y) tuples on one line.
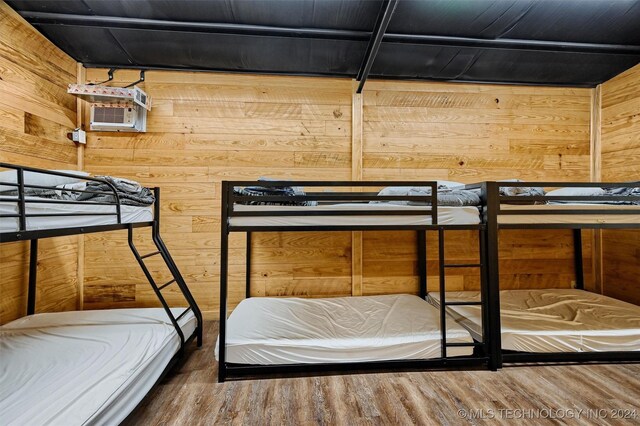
[(553, 394)]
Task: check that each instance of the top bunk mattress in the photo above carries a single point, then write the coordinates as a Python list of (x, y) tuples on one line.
[(73, 368), (559, 218), (555, 320), (464, 215), (266, 330), (129, 214)]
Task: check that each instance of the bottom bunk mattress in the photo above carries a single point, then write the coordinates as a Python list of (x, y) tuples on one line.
[(266, 330), (84, 367), (555, 320)]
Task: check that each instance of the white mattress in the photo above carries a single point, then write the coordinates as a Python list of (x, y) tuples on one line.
[(568, 218), (264, 330), (84, 367), (129, 214), (468, 215), (555, 320)]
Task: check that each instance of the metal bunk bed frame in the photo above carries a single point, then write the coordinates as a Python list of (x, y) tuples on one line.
[(482, 353), (22, 234), (492, 201)]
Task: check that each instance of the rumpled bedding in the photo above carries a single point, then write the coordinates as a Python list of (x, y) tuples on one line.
[(129, 192), (283, 191), (622, 192), (446, 196), (518, 191)]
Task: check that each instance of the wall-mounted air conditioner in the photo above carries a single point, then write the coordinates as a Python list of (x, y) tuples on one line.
[(114, 109), (118, 118)]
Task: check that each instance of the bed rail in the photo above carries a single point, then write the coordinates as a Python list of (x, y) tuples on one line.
[(356, 193), (20, 196), (578, 211)]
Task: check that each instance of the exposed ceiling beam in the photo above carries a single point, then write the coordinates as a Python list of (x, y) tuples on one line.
[(123, 66), (187, 26), (322, 33), (384, 17), (316, 74)]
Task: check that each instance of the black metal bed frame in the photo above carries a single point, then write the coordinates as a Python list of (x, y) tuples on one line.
[(24, 234), (493, 200), (488, 302)]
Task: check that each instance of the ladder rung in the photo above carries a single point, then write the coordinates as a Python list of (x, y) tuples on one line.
[(149, 255), (464, 344), (462, 303), (169, 283), (183, 313), (464, 265)]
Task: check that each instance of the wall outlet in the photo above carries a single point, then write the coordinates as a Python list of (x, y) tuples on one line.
[(79, 136)]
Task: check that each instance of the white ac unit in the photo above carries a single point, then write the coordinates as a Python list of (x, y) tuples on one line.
[(124, 117)]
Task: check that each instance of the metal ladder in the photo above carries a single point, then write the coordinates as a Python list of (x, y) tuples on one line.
[(442, 290), (177, 279)]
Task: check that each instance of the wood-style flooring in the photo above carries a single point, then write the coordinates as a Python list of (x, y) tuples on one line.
[(190, 394)]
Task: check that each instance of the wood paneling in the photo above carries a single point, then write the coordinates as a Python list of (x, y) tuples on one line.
[(35, 115), (620, 139), (469, 133), (208, 127), (204, 128)]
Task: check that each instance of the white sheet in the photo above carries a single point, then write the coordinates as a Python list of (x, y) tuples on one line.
[(129, 214), (568, 218), (555, 320), (468, 215), (84, 367), (265, 330)]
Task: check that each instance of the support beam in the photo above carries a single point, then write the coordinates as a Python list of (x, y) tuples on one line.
[(596, 176), (80, 79), (36, 18), (386, 12), (356, 175)]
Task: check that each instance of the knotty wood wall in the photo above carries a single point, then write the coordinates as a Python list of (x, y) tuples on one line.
[(620, 138), (470, 133), (35, 115), (204, 128)]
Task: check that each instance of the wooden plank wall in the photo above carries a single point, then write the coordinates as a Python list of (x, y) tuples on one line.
[(469, 133), (204, 128), (620, 140), (35, 116), (207, 127)]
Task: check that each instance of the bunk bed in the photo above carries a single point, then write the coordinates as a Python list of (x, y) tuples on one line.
[(84, 366), (265, 335), (556, 325)]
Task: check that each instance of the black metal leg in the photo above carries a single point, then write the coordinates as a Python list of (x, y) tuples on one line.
[(578, 261), (33, 277), (422, 261), (224, 269), (484, 292), (493, 277), (443, 289), (248, 267), (224, 257)]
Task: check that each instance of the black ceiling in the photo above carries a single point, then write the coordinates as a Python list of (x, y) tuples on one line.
[(551, 42)]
